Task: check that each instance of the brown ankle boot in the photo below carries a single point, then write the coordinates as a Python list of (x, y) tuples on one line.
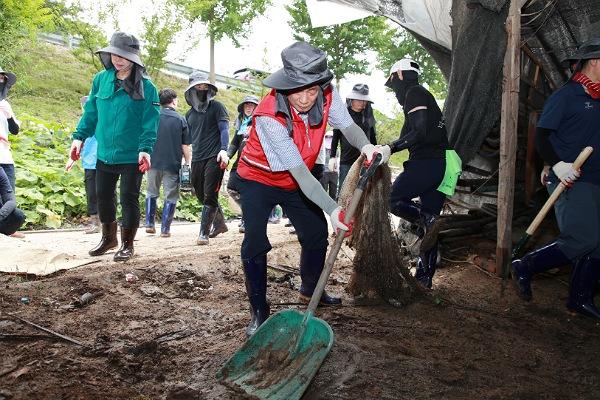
[(125, 252), (108, 241)]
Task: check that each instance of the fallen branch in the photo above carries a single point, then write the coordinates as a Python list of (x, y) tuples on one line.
[(64, 337)]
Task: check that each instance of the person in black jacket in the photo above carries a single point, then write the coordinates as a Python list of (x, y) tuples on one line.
[(359, 107), (424, 135), (242, 130)]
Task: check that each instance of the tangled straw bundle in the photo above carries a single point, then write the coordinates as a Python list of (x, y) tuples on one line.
[(380, 269)]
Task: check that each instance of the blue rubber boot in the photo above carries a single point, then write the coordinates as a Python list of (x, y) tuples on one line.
[(255, 271), (167, 218), (150, 214), (540, 260), (311, 266), (426, 267), (584, 281)]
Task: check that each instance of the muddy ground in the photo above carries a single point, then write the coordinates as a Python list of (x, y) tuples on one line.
[(165, 335)]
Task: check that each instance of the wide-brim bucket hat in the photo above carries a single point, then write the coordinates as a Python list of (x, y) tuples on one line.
[(123, 45), (303, 65), (248, 99), (198, 77), (360, 91), (405, 64), (10, 77), (589, 50)]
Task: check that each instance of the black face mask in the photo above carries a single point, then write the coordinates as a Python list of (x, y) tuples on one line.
[(401, 86), (202, 95)]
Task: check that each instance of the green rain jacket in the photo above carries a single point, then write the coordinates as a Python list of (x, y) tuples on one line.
[(123, 126)]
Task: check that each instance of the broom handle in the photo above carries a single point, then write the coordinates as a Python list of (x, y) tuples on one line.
[(585, 153), (335, 249)]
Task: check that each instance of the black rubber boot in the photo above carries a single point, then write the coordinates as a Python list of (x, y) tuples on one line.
[(108, 240), (207, 218), (167, 218), (540, 260), (150, 214), (406, 210), (255, 271), (218, 226), (584, 281), (426, 266), (311, 266), (125, 252), (426, 226)]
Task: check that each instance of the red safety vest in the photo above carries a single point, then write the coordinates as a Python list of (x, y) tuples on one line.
[(253, 163)]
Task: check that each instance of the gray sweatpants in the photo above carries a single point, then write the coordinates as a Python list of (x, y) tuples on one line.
[(169, 181)]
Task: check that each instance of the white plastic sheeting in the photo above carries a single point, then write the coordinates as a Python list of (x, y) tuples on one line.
[(324, 13), (428, 18)]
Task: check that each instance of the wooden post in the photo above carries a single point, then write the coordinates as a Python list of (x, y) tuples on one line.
[(508, 136)]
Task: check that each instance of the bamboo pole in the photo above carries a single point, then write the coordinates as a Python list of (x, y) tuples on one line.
[(508, 136)]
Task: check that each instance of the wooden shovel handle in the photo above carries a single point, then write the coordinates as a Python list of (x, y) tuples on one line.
[(585, 153)]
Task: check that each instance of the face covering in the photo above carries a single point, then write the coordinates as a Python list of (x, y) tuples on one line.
[(401, 86)]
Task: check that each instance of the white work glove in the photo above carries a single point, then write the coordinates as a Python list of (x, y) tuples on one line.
[(331, 165), (337, 220), (222, 159), (565, 172), (370, 151), (75, 150), (144, 161), (544, 175)]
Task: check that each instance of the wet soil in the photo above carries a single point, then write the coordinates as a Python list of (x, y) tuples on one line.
[(165, 335)]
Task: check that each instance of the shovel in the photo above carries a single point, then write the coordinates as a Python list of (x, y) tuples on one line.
[(585, 153), (279, 361)]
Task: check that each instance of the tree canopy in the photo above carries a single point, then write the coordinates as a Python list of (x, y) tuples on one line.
[(346, 44)]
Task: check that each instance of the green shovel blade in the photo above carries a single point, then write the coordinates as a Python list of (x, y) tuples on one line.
[(281, 358)]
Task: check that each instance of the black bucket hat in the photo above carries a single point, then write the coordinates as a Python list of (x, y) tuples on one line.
[(123, 45), (589, 50), (303, 65), (248, 99), (10, 78)]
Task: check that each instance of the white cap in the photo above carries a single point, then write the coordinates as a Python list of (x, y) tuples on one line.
[(406, 64)]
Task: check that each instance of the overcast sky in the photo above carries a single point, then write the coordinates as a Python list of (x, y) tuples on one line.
[(269, 35)]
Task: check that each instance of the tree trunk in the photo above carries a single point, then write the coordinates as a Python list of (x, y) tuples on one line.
[(380, 268), (212, 60)]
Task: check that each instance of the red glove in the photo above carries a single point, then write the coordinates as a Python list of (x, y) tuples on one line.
[(76, 148), (144, 162), (144, 165), (350, 224)]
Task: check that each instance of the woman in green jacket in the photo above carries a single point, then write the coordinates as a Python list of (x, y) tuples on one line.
[(123, 112)]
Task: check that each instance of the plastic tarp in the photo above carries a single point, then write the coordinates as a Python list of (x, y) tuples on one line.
[(427, 18)]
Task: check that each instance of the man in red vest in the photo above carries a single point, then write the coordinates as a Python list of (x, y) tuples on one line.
[(288, 129)]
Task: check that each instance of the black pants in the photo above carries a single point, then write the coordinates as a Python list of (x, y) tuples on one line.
[(257, 202), (329, 183), (12, 222), (90, 191), (107, 176), (206, 179), (420, 178)]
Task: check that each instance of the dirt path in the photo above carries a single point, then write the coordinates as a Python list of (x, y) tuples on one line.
[(165, 335)]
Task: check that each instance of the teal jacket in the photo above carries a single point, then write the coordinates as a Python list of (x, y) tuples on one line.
[(123, 126)]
